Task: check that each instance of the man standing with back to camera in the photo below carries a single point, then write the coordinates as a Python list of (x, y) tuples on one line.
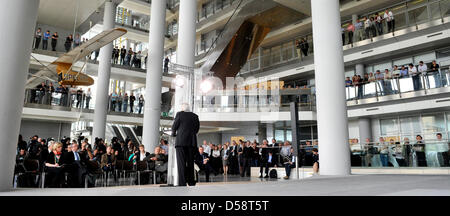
[(185, 128)]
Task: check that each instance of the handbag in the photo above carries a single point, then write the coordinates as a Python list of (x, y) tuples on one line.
[(160, 166)]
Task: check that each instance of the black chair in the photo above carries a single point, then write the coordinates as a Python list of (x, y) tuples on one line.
[(93, 171), (126, 167), (29, 169), (142, 167)]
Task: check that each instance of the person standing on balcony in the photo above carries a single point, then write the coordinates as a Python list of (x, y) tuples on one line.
[(351, 31), (359, 28), (379, 24), (389, 17), (54, 41), (128, 58), (434, 71), (299, 51), (304, 46), (132, 99), (373, 27), (419, 158), (343, 35), (387, 81), (412, 70), (380, 81), (119, 102), (77, 41), (88, 97), (404, 72), (68, 43), (367, 27), (166, 65), (423, 69), (45, 40), (79, 98), (49, 94), (125, 102), (123, 53), (37, 38), (113, 101), (141, 103)]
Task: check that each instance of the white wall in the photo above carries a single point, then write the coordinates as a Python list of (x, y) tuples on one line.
[(353, 129), (44, 129), (214, 138)]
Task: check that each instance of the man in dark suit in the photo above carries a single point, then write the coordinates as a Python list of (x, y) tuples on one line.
[(203, 162), (185, 128)]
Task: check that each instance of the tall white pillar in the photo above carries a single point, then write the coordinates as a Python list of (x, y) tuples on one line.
[(331, 102), (186, 48), (365, 129), (359, 70), (152, 110), (17, 38), (104, 74)]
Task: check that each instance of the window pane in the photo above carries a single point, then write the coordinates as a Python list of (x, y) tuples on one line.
[(389, 127), (410, 125), (418, 15), (289, 135), (432, 124), (279, 135)]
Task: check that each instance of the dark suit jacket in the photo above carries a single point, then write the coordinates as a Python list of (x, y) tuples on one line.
[(198, 159), (104, 160), (185, 127), (138, 156)]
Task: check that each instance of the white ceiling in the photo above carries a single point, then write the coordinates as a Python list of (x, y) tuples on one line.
[(62, 13)]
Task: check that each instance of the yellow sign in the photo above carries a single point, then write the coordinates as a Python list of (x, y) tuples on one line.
[(237, 138)]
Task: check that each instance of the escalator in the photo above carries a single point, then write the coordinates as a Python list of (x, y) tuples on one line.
[(117, 132), (131, 135), (244, 33)]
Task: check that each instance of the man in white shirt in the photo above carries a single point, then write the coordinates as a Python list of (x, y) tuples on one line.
[(412, 70), (422, 69), (367, 28), (389, 17)]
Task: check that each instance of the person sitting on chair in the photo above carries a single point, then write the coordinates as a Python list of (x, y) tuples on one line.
[(202, 161)]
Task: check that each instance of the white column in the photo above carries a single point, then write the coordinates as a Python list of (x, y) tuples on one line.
[(365, 129), (186, 47), (19, 20), (185, 57), (152, 110), (331, 102), (359, 70), (104, 74)]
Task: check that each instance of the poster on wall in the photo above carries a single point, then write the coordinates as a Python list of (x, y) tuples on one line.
[(237, 138)]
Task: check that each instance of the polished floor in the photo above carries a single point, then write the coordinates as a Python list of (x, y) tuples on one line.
[(355, 185)]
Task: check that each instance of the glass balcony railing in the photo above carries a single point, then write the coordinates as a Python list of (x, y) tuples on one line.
[(69, 101), (408, 14), (398, 84), (397, 154), (253, 101)]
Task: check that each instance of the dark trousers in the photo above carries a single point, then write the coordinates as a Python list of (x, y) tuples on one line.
[(416, 82), (207, 168), (54, 45), (246, 167), (185, 164), (288, 168), (131, 107), (445, 158), (263, 165), (421, 159), (305, 52), (350, 37), (55, 177), (37, 42), (44, 44)]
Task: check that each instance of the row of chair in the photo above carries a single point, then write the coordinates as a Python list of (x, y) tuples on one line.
[(122, 169)]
